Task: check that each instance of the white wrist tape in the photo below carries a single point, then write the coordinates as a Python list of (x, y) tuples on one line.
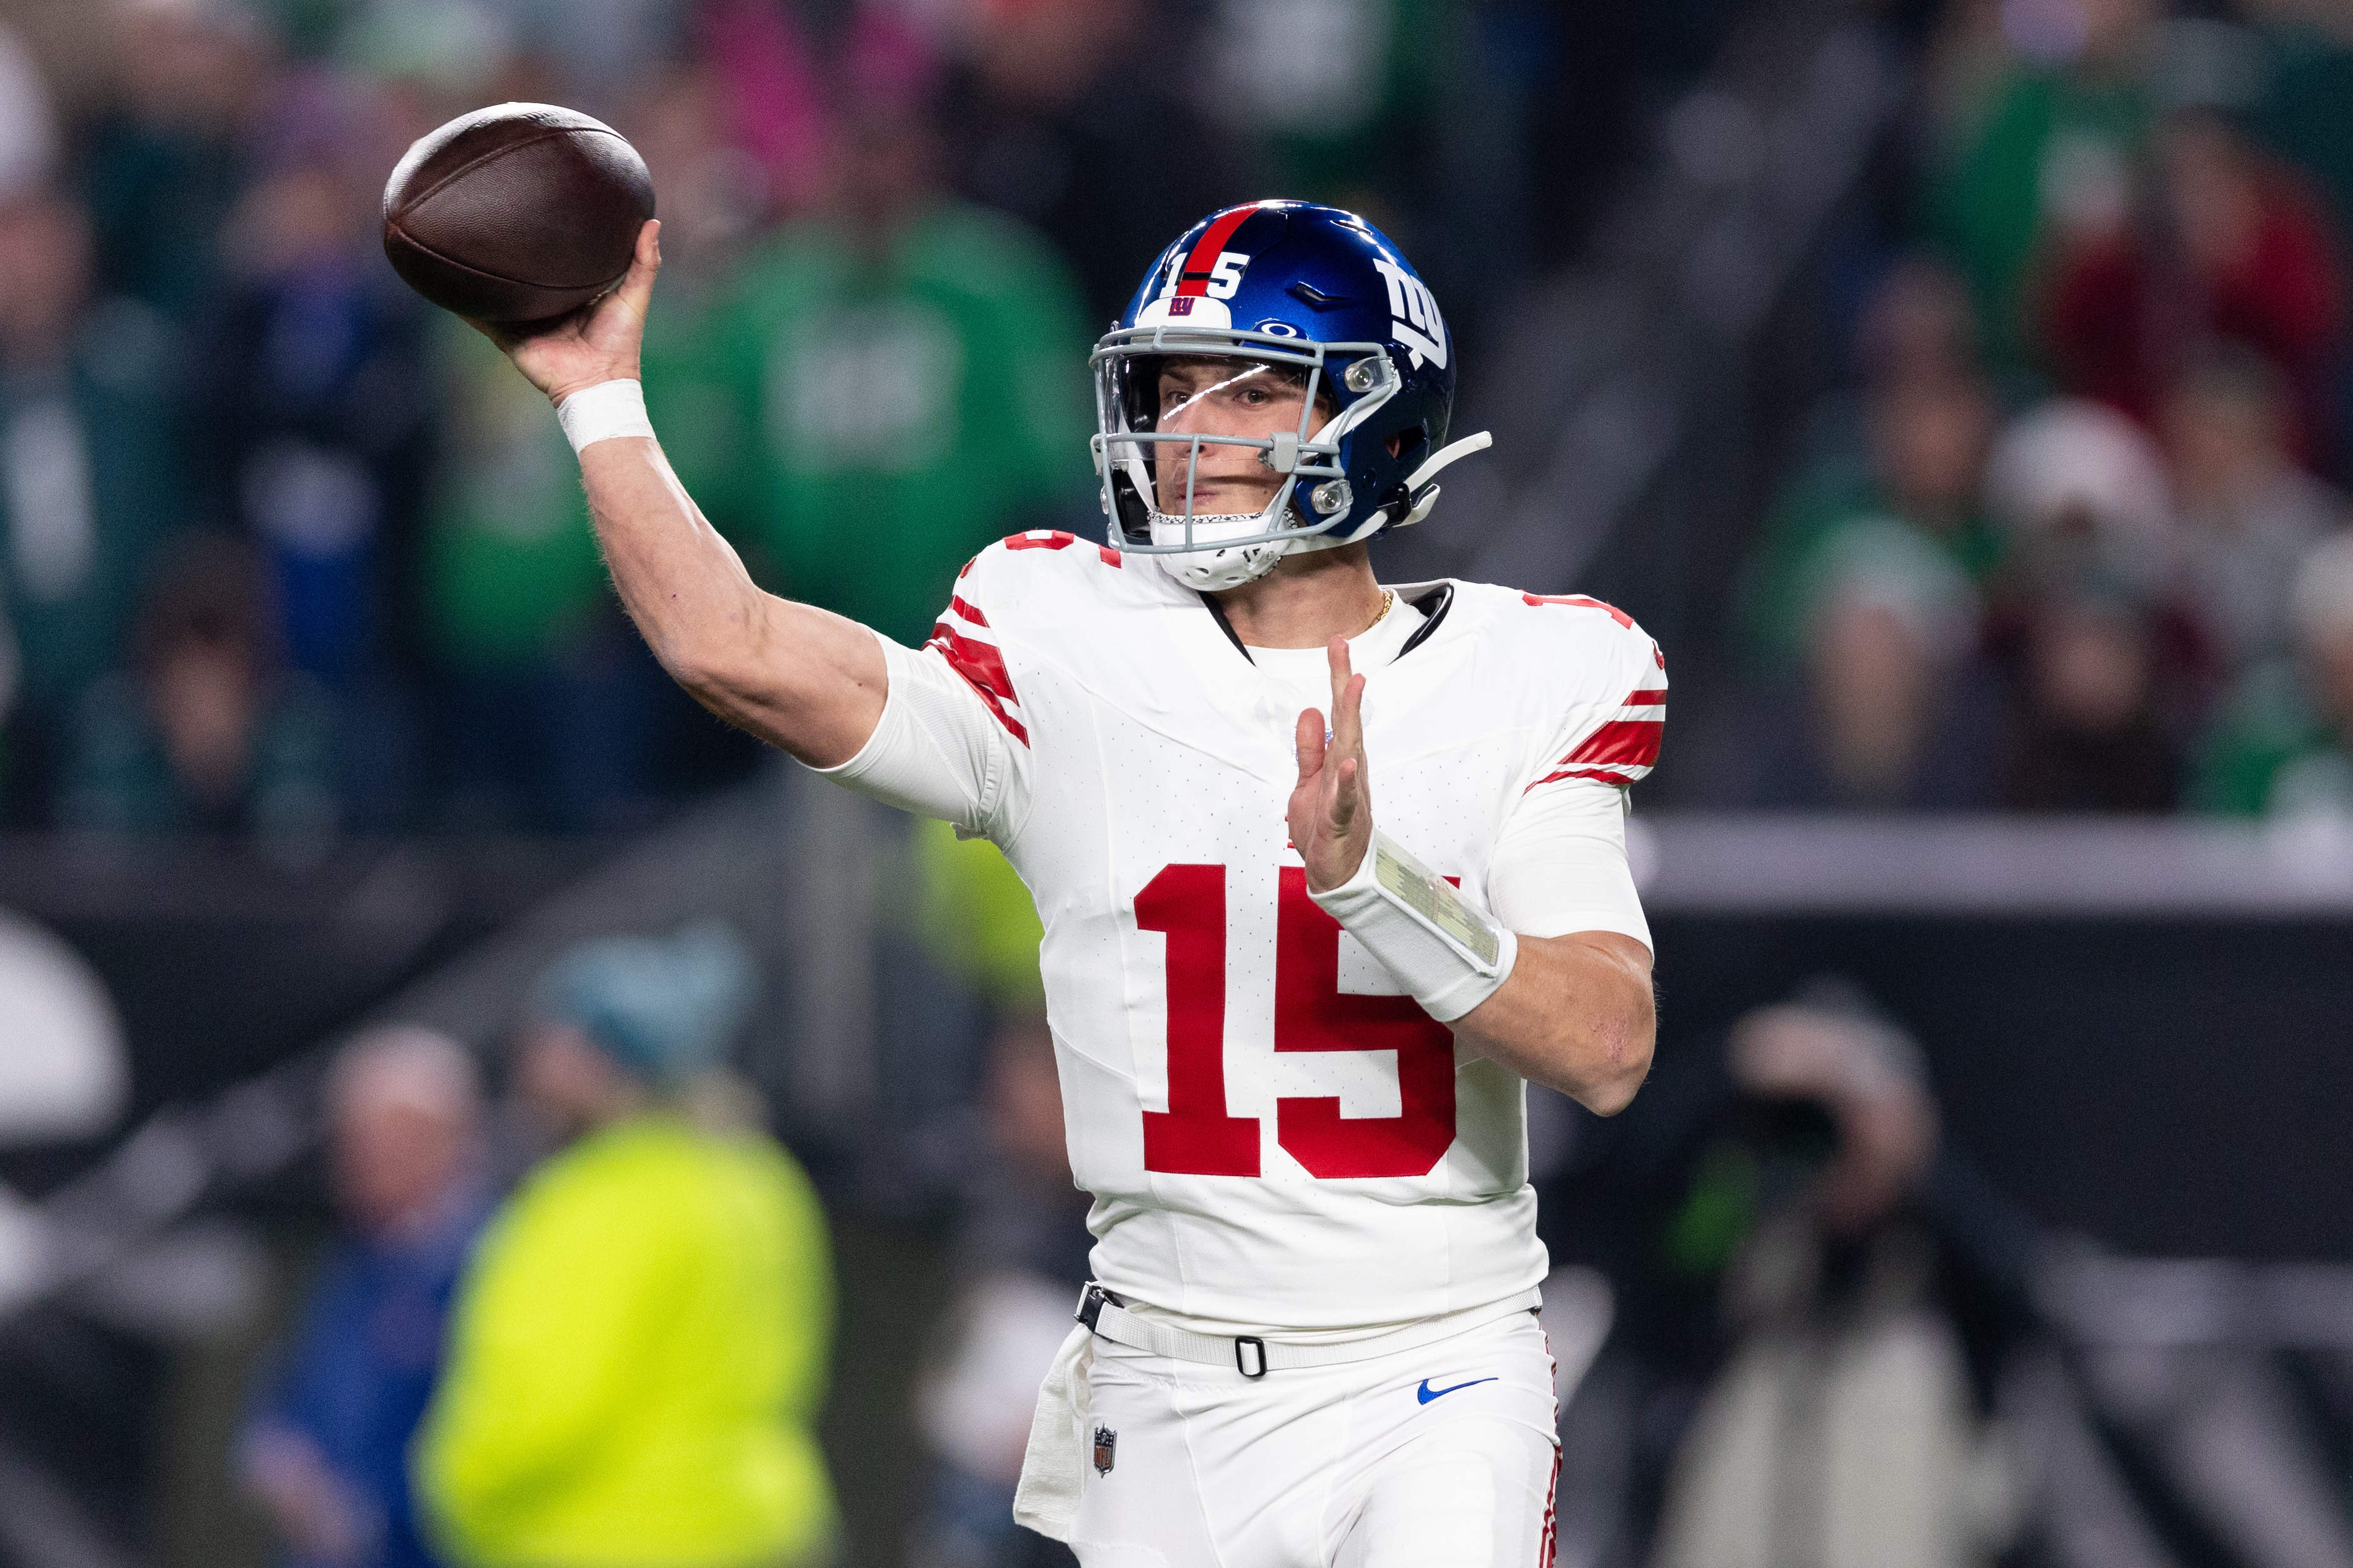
[(1450, 956), (601, 412)]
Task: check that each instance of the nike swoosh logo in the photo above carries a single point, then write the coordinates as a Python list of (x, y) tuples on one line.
[(1426, 1393)]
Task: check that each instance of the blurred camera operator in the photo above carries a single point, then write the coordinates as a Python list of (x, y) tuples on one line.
[(1840, 1428)]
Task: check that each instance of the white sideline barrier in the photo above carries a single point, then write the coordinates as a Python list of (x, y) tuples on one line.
[(1985, 865)]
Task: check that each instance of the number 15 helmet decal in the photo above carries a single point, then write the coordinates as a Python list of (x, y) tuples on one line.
[(1315, 303)]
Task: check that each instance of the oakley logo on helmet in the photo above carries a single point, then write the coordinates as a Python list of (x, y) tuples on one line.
[(1413, 313)]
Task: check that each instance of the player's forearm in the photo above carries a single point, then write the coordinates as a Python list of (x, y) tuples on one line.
[(1577, 1015), (797, 677)]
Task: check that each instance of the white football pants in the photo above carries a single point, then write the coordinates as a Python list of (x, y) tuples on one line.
[(1440, 1456)]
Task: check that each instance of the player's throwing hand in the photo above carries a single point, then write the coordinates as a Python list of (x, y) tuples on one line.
[(1332, 806), (597, 342)]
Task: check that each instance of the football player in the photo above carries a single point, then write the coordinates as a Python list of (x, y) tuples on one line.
[(1327, 869)]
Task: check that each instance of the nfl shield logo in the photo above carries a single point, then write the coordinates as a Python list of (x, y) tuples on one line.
[(1106, 1449)]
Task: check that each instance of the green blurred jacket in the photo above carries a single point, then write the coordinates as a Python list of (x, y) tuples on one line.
[(636, 1361)]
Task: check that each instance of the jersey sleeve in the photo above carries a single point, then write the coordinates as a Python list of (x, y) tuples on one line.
[(1559, 864), (950, 744)]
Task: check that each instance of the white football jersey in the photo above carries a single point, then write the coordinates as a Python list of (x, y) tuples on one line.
[(1277, 1138)]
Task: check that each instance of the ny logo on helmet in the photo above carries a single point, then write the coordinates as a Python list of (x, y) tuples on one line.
[(1413, 316)]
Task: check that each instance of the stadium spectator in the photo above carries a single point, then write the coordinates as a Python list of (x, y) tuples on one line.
[(2086, 732), (547, 715), (2072, 485), (1917, 324), (637, 1351), (2283, 745), (2235, 250), (2247, 514), (204, 734), (92, 477), (2040, 150), (912, 368), (308, 417), (163, 166), (770, 94), (2304, 110), (1928, 425), (327, 1450), (1891, 708), (716, 198)]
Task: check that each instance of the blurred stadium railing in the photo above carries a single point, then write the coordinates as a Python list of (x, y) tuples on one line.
[(1630, 406)]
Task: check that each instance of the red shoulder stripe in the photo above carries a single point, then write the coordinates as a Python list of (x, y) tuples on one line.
[(1631, 743), (1583, 602), (1597, 774), (983, 668)]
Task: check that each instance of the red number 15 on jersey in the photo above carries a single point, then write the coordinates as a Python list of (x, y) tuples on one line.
[(1195, 1137)]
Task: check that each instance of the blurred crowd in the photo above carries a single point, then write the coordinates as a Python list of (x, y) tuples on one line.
[(2073, 537), (286, 555), (594, 1329)]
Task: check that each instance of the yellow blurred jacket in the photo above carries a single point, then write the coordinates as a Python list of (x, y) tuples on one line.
[(636, 1357)]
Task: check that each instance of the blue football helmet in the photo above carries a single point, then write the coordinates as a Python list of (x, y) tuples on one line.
[(1313, 299)]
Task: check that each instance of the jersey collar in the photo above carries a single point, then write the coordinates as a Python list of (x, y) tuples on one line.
[(1432, 599)]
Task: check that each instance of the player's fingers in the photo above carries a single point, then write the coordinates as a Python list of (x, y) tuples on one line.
[(1348, 715), (638, 286), (1346, 796), (1308, 740)]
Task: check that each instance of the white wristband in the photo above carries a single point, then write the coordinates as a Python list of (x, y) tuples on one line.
[(601, 412), (1451, 955)]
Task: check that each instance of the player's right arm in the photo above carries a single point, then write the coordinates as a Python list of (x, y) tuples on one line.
[(806, 679)]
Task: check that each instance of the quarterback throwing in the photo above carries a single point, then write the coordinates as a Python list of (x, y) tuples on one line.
[(1327, 869)]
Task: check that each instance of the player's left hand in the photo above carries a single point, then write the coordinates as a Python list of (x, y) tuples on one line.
[(1332, 805)]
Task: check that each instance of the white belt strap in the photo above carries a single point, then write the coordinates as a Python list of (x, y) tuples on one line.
[(1103, 1313)]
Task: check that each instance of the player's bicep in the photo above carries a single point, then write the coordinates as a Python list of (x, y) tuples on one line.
[(941, 747), (1559, 867)]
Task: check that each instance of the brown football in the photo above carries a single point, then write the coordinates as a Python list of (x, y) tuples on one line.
[(516, 213)]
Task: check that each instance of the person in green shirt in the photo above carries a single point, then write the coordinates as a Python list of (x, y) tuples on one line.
[(912, 368), (2047, 150), (547, 712), (1927, 436), (2283, 742), (91, 480), (637, 1351)]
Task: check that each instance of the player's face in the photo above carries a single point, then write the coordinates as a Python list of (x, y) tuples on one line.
[(1215, 396)]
